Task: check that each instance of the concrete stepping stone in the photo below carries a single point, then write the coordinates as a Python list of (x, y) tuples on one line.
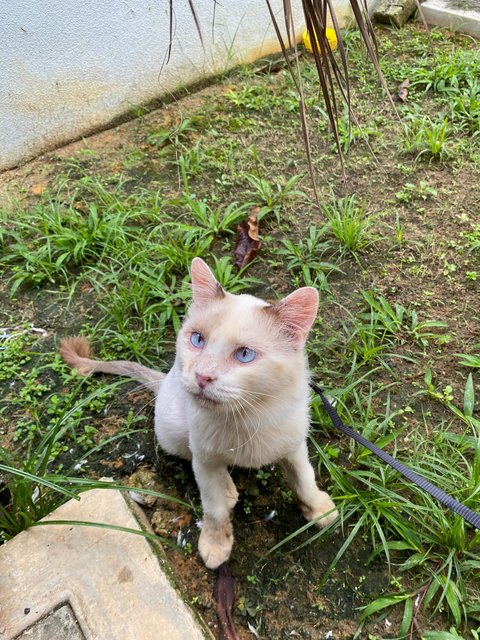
[(62, 582), (394, 12)]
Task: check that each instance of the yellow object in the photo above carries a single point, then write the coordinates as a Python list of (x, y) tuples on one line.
[(331, 37)]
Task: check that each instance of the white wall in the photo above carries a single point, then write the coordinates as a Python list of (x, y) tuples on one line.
[(69, 67)]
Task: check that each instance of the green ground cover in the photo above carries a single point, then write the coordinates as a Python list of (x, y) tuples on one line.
[(97, 239)]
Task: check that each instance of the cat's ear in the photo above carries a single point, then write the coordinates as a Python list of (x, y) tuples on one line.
[(297, 312), (204, 285)]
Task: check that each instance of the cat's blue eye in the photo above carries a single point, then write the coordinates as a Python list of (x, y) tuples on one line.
[(197, 340), (245, 355)]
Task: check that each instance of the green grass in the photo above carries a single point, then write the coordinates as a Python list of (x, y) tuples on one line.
[(428, 138), (410, 531), (271, 197), (304, 259), (34, 482), (411, 191), (349, 223), (452, 71)]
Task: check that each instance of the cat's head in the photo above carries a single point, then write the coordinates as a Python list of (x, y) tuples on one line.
[(234, 348)]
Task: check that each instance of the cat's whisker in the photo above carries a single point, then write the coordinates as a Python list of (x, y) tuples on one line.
[(250, 436), (260, 416), (237, 415), (234, 420), (239, 392), (256, 409), (256, 400), (257, 393), (150, 403)]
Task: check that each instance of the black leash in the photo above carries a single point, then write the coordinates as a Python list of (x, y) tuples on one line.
[(467, 514)]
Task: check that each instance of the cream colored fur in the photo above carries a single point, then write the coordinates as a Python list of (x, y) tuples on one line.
[(219, 412)]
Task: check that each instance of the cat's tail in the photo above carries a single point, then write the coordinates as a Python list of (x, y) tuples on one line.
[(75, 351)]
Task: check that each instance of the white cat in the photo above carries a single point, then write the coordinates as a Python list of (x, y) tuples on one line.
[(237, 395)]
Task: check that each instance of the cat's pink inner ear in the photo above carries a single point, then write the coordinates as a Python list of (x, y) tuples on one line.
[(204, 285), (298, 312)]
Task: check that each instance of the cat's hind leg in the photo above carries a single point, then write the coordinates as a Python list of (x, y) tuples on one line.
[(315, 504)]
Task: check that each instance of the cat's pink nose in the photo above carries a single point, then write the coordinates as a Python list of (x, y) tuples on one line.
[(202, 380)]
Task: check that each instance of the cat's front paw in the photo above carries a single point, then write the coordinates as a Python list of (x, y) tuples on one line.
[(215, 543), (323, 508)]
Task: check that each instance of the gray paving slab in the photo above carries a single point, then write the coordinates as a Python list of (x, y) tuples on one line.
[(102, 583), (61, 624)]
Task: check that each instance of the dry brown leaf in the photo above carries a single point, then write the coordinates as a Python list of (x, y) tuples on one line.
[(37, 189), (402, 92), (224, 594), (85, 287), (183, 521), (248, 242)]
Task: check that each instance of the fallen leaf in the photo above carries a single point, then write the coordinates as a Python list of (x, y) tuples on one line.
[(85, 287), (402, 92), (183, 521), (273, 66), (37, 189), (248, 242), (224, 594)]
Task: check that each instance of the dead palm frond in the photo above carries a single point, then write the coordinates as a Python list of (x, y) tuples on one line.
[(332, 69)]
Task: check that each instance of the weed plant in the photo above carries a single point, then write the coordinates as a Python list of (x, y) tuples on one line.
[(253, 98), (41, 473), (470, 360), (473, 238), (428, 138), (466, 107), (396, 320), (351, 133), (34, 482), (172, 136), (349, 223), (27, 497), (431, 551), (304, 259), (133, 252), (449, 72), (271, 197), (453, 78), (413, 191)]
